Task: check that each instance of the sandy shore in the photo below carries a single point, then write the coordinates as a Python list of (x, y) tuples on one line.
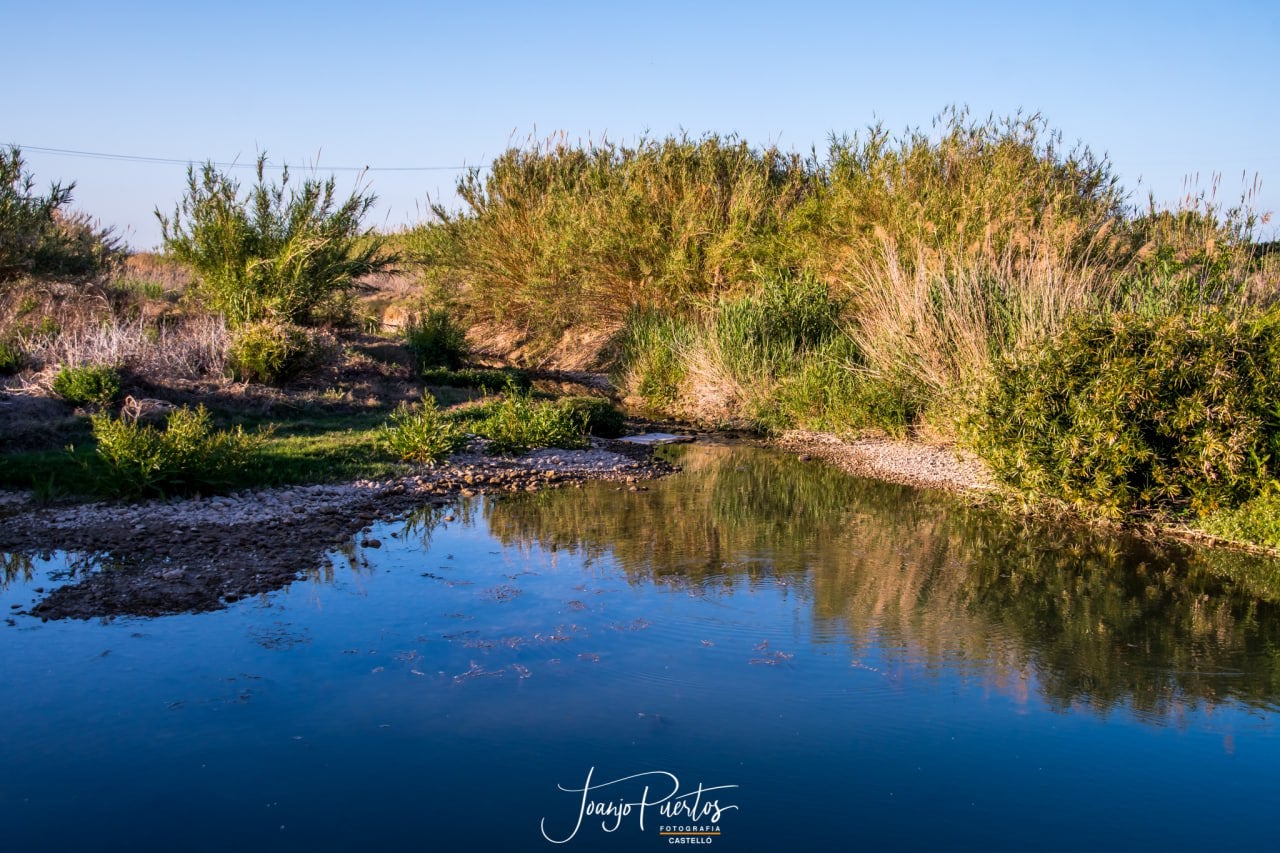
[(904, 462)]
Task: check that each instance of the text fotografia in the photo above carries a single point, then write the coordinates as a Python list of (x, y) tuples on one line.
[(682, 817)]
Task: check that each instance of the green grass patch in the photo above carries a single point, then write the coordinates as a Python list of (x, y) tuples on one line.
[(486, 379)]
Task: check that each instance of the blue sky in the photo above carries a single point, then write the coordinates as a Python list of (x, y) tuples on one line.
[(1166, 89)]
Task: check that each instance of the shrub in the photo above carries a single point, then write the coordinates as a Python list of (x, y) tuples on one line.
[(89, 384), (489, 380), (270, 353), (1133, 413), (518, 423), (555, 235), (421, 433), (38, 237), (282, 253), (598, 415), (11, 358), (188, 455), (651, 365), (436, 341)]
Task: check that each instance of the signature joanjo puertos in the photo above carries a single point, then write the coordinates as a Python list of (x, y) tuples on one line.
[(652, 800)]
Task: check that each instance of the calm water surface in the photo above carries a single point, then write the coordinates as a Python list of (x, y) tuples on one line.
[(870, 666)]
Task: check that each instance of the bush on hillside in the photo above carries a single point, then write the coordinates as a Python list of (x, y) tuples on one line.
[(286, 253)]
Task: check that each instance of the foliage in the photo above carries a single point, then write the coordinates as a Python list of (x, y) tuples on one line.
[(270, 352), (283, 253), (518, 423), (96, 384), (11, 357), (421, 433), (650, 365), (1256, 521), (557, 235), (598, 415), (188, 455), (436, 341), (1127, 412), (39, 237), (489, 380)]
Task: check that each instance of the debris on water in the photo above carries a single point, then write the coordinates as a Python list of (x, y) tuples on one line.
[(706, 642), (656, 439), (589, 656), (502, 592), (477, 671), (523, 671)]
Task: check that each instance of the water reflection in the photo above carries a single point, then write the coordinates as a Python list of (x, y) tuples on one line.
[(1091, 619)]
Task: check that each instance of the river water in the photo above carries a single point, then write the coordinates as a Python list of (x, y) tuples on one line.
[(754, 654)]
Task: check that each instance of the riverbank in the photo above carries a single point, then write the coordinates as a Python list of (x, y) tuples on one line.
[(199, 554)]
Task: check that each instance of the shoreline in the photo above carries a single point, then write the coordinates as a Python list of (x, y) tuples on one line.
[(199, 554)]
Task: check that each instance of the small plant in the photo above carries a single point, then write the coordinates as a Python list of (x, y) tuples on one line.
[(489, 380), (270, 353), (436, 341), (88, 385), (188, 455), (284, 252), (11, 357), (421, 433), (518, 423)]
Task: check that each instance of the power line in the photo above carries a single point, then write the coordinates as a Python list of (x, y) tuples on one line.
[(174, 161)]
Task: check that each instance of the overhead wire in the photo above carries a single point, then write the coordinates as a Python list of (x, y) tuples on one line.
[(175, 161)]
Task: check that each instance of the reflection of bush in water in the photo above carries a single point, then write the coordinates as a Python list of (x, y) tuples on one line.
[(1098, 619), (15, 567)]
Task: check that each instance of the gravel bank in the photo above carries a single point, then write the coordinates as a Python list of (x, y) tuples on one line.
[(908, 463), (198, 554)]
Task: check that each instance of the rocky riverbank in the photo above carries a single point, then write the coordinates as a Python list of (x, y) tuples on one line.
[(198, 554)]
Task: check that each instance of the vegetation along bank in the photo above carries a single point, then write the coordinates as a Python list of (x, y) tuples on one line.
[(976, 286)]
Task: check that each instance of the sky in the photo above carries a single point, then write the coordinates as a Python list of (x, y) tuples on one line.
[(1167, 90)]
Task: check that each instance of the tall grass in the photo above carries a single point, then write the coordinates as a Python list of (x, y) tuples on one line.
[(556, 235)]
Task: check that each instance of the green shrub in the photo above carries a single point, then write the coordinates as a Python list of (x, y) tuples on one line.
[(489, 380), (436, 341), (830, 391), (763, 333), (11, 357), (598, 415), (651, 365), (97, 384), (518, 423), (421, 433), (282, 253), (1256, 521), (1131, 413), (270, 353), (187, 456), (37, 237)]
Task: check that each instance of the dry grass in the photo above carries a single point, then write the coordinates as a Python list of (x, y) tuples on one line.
[(938, 322), (185, 348)]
